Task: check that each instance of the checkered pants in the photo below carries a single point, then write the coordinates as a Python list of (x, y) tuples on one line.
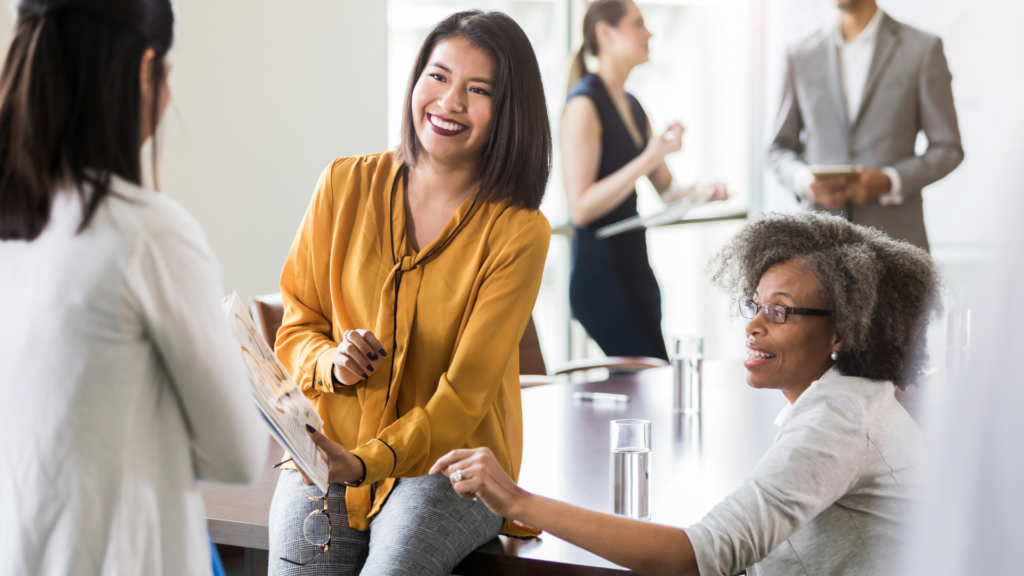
[(425, 528)]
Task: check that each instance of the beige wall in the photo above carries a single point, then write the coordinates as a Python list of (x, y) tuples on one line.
[(265, 94)]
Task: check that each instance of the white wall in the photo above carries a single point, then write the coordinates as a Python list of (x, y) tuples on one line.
[(265, 94)]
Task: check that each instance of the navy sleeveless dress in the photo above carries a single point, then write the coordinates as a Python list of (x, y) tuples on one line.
[(612, 289)]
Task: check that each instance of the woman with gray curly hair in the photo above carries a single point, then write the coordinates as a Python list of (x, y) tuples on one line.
[(837, 314)]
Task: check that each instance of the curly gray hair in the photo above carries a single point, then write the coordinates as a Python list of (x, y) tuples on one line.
[(881, 291)]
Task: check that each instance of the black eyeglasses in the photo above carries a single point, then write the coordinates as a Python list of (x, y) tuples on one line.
[(776, 313), (317, 528)]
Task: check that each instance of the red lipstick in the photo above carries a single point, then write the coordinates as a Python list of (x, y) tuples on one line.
[(443, 130)]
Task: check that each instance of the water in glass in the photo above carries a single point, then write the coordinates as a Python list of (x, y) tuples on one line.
[(632, 472)]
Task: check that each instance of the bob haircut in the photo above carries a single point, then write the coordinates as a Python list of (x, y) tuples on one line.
[(881, 291), (516, 160), (71, 103)]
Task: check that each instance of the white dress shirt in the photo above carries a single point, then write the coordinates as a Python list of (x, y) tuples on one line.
[(830, 496), (854, 62), (854, 58), (121, 387)]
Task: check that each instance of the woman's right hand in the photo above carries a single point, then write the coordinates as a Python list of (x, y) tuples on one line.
[(358, 356), (483, 478), (670, 141)]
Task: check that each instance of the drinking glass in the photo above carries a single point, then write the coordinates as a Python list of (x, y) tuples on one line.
[(631, 467), (687, 374)]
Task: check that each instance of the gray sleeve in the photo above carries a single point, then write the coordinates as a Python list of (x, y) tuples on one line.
[(786, 151), (813, 463), (938, 120)]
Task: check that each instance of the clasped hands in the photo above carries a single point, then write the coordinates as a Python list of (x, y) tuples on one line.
[(833, 192)]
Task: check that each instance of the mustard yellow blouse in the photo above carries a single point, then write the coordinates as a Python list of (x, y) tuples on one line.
[(450, 318)]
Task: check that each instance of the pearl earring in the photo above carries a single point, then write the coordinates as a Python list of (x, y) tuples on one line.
[(834, 355)]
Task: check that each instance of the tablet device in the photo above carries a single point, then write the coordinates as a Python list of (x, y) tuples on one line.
[(834, 171)]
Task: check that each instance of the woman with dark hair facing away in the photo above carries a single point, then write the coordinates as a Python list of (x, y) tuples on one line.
[(607, 145), (837, 317), (121, 382), (406, 293)]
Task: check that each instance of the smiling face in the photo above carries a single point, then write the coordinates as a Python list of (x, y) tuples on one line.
[(789, 356), (452, 102), (628, 41)]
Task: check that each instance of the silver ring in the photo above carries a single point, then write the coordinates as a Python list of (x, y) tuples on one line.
[(457, 477)]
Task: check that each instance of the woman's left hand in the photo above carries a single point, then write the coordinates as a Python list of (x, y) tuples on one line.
[(482, 477), (342, 466), (715, 192)]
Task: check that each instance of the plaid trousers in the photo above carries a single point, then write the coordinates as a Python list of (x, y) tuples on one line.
[(424, 529)]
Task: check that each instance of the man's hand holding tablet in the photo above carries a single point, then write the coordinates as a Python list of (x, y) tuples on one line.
[(829, 186)]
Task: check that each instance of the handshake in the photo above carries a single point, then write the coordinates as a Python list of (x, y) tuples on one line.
[(833, 188)]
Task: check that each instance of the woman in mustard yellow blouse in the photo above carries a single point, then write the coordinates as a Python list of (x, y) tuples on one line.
[(406, 292)]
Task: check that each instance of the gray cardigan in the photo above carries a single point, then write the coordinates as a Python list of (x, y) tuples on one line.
[(830, 496)]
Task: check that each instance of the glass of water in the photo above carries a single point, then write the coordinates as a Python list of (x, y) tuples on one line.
[(687, 377), (631, 468)]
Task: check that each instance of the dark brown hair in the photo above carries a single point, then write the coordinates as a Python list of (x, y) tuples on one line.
[(70, 103), (610, 11), (516, 161)]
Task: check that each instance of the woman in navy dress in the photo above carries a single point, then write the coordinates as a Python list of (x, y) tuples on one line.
[(607, 144)]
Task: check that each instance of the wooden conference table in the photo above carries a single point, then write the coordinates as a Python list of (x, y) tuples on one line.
[(695, 462)]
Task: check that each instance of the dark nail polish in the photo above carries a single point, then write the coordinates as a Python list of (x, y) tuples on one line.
[(371, 356), (369, 367), (365, 376), (310, 429), (383, 353)]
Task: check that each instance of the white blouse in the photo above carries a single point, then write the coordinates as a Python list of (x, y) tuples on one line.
[(831, 496), (121, 388)]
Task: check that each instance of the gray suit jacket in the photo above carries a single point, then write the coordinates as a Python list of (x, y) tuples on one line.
[(908, 90)]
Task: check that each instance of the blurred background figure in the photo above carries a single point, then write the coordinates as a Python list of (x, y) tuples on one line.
[(121, 383), (858, 93), (972, 523), (608, 144)]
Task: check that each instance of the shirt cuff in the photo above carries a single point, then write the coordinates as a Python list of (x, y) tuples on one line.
[(378, 458), (323, 376), (895, 194), (802, 180)]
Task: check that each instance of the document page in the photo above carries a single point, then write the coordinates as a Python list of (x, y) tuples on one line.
[(285, 409), (671, 213)]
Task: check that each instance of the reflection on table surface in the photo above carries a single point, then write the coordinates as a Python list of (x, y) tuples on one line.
[(695, 462)]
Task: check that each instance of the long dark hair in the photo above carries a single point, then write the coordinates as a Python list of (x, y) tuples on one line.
[(516, 161), (71, 101), (610, 11)]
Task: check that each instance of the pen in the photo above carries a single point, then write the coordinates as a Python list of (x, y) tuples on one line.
[(282, 462), (599, 396)]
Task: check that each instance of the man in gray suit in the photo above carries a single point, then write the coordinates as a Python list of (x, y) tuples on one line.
[(858, 94)]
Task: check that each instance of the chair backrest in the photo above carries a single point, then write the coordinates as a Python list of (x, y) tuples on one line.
[(267, 312), (531, 359)]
